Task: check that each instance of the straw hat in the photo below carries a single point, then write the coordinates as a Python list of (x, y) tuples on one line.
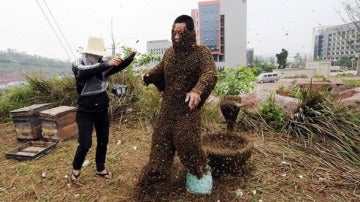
[(95, 46)]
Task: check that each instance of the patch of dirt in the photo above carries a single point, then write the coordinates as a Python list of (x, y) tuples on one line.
[(279, 169), (9, 77)]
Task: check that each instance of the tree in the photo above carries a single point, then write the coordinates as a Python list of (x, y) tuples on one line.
[(352, 10), (345, 62), (282, 58), (263, 64), (299, 61)]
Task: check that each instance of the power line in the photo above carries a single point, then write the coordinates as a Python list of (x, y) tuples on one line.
[(52, 27), (57, 25)]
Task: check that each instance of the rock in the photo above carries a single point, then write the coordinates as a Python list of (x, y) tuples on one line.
[(353, 101), (251, 102), (346, 93), (289, 104)]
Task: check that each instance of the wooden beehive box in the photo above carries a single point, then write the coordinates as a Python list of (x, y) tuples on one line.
[(59, 123), (30, 150), (27, 121)]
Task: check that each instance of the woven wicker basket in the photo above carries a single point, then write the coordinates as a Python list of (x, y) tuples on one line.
[(227, 151)]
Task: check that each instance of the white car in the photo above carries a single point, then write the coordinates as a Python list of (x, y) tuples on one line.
[(268, 77)]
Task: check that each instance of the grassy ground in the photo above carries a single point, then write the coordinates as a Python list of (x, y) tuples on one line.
[(278, 170)]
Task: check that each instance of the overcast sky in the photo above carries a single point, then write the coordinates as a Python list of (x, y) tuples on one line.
[(272, 24)]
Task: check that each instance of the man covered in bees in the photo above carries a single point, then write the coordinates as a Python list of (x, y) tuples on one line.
[(186, 76)]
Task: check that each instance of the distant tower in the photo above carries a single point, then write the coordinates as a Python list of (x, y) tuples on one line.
[(221, 25)]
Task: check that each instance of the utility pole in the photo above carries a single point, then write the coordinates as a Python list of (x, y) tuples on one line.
[(112, 38), (358, 67)]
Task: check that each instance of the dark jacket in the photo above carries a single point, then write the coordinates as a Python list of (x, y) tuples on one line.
[(101, 70)]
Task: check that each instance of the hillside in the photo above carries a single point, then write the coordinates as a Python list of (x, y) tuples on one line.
[(14, 64)]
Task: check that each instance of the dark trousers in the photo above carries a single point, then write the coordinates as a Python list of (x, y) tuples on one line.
[(86, 121)]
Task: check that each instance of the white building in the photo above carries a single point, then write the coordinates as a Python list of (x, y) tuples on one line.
[(158, 48), (335, 42)]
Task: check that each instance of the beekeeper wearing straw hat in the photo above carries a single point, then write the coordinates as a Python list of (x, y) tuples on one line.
[(91, 72)]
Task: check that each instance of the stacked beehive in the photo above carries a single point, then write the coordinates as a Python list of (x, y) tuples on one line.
[(27, 121), (59, 123)]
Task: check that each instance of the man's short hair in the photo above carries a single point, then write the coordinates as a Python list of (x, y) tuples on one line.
[(189, 22)]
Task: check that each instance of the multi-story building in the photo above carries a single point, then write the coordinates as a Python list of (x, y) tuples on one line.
[(158, 48), (335, 42), (221, 25)]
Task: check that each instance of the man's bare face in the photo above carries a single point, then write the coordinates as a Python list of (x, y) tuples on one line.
[(178, 31)]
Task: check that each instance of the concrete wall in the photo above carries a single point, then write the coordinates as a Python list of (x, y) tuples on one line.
[(290, 73), (322, 67), (314, 68)]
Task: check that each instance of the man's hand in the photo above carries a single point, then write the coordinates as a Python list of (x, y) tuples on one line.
[(193, 99), (134, 51), (116, 61)]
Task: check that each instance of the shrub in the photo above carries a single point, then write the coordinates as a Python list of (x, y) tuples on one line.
[(14, 98), (235, 81), (351, 83), (273, 114)]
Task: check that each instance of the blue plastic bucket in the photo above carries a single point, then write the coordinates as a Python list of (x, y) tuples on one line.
[(199, 186)]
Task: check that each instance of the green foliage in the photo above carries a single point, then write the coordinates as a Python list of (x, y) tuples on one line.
[(282, 58), (257, 70), (235, 81), (144, 59), (299, 61), (296, 93), (14, 98), (273, 114), (345, 61), (351, 83), (281, 87), (141, 59), (261, 65), (319, 78), (57, 90), (144, 100)]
